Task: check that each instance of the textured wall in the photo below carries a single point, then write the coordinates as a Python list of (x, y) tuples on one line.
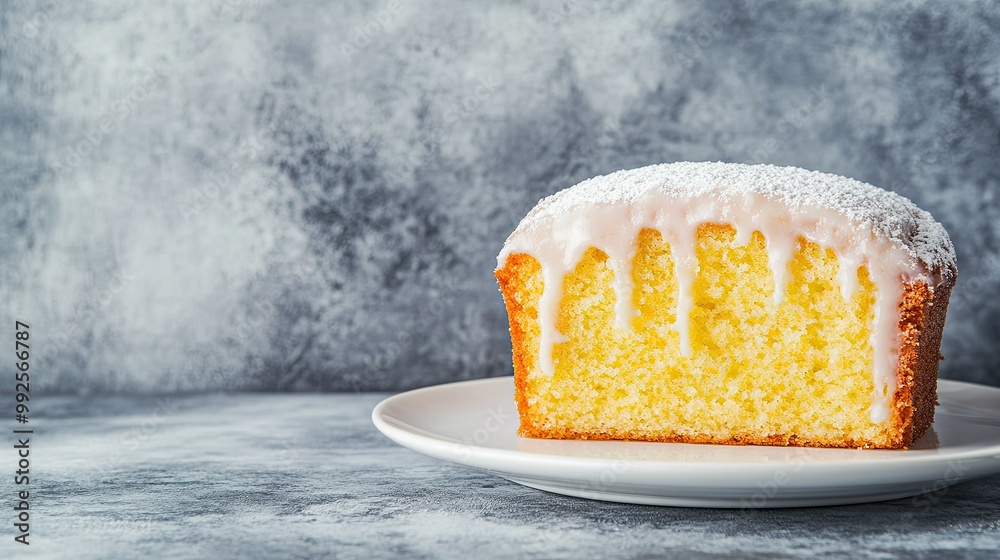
[(269, 195)]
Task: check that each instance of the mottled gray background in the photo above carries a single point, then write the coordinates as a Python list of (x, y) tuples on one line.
[(296, 196)]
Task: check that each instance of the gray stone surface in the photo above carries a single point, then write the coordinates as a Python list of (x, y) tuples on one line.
[(309, 195), (308, 476)]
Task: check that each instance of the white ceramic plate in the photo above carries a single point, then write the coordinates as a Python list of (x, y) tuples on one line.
[(474, 423)]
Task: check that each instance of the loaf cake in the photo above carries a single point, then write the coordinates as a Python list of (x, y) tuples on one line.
[(730, 304)]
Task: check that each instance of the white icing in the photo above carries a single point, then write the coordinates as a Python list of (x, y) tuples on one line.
[(864, 225)]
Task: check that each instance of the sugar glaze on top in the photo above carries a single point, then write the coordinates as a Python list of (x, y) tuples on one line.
[(864, 225)]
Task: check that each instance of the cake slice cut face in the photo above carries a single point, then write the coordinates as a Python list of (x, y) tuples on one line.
[(727, 303)]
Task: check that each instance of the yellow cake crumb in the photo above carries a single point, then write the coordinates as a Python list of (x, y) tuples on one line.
[(756, 369)]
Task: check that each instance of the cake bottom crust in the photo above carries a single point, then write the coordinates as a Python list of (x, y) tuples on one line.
[(741, 439)]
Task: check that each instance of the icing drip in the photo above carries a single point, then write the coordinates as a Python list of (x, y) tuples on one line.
[(677, 230), (847, 276), (685, 270), (548, 311), (885, 336), (782, 203)]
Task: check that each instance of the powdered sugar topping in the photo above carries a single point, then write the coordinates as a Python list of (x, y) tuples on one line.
[(887, 214)]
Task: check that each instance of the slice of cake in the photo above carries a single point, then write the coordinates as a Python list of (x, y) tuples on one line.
[(727, 303)]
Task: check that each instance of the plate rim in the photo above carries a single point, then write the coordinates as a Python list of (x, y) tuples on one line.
[(735, 483), (910, 457)]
